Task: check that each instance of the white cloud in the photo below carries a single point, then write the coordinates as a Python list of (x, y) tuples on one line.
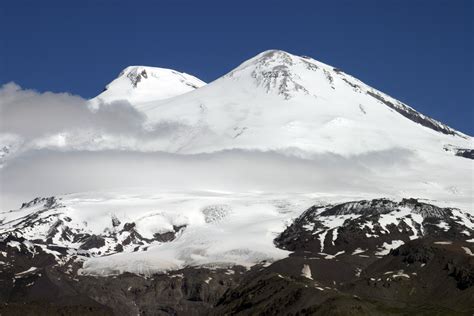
[(32, 114), (51, 172)]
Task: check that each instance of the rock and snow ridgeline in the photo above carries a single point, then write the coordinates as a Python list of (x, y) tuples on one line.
[(238, 231)]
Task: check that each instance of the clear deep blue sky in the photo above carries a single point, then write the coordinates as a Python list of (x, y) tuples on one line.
[(420, 52)]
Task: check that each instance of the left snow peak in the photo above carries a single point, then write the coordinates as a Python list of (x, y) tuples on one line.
[(138, 84)]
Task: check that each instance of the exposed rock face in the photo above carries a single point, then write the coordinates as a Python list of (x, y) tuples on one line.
[(33, 279), (460, 152), (386, 286), (61, 233), (415, 116), (373, 227), (466, 153), (272, 71), (93, 242), (47, 202), (168, 236), (453, 263)]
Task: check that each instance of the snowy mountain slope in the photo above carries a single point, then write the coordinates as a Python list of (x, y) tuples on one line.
[(278, 101), (145, 234), (138, 84), (157, 232), (274, 101)]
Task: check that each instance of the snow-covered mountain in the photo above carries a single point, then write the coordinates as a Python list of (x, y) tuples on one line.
[(285, 173), (274, 101), (146, 234), (138, 84), (279, 101)]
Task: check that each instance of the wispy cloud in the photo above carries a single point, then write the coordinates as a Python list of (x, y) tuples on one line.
[(33, 114), (51, 172)]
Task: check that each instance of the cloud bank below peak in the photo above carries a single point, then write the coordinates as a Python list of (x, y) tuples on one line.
[(35, 120), (30, 114)]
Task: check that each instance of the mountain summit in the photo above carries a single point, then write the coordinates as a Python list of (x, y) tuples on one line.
[(289, 75), (137, 84)]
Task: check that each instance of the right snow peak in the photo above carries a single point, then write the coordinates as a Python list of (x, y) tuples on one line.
[(289, 75)]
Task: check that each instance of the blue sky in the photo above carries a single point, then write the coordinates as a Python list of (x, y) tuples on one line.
[(417, 51)]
